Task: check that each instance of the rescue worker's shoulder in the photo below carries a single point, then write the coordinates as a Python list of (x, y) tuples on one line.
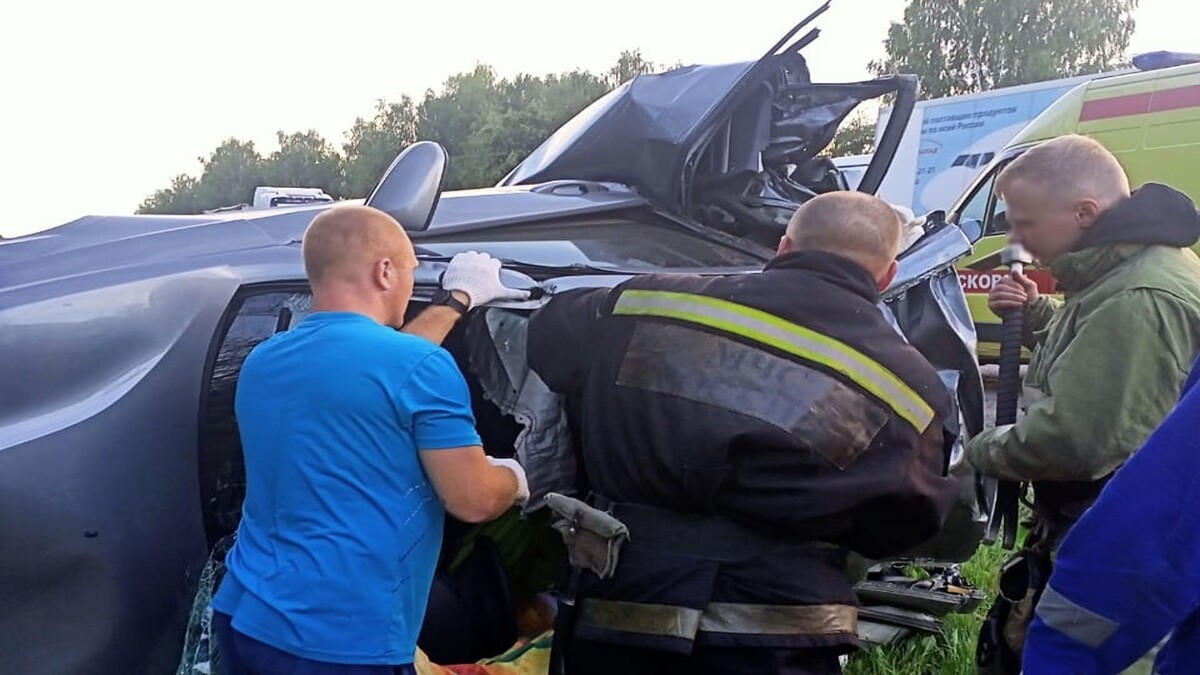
[(583, 304), (1162, 269), (911, 366)]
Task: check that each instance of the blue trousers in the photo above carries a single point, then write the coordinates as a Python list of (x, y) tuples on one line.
[(243, 655)]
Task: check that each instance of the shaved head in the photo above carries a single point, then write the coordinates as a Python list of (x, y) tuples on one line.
[(343, 242), (1070, 167), (359, 259), (854, 225), (1055, 191)]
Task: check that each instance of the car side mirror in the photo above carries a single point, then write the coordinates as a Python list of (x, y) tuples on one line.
[(971, 227), (410, 188)]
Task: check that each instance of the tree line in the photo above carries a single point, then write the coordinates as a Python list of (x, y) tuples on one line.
[(488, 123)]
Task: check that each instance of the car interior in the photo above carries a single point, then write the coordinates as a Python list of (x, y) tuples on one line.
[(763, 162)]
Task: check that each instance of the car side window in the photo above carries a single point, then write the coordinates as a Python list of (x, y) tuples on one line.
[(252, 317)]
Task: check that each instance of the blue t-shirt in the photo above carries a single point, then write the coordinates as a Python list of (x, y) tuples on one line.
[(341, 528)]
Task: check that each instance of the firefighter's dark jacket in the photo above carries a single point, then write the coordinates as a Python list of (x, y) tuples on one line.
[(782, 404)]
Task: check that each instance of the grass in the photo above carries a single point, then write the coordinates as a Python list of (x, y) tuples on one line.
[(952, 652)]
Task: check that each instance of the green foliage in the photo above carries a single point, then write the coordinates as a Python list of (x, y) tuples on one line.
[(952, 652), (372, 144), (963, 46), (856, 136), (304, 159), (486, 123)]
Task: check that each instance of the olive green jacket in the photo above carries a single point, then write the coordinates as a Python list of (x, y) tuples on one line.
[(1108, 364)]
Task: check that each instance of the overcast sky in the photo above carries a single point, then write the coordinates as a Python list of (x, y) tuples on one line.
[(103, 102)]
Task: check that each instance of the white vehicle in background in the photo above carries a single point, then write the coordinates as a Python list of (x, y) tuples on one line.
[(266, 197), (852, 168), (271, 197)]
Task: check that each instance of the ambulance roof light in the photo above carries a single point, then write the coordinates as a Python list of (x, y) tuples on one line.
[(1163, 59)]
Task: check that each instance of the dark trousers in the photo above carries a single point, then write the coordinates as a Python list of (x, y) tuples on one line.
[(243, 655), (585, 657)]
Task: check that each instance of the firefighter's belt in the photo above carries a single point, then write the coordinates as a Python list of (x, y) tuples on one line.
[(719, 617), (700, 535), (593, 537)]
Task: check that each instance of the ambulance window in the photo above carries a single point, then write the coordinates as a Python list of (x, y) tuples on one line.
[(998, 224), (976, 206)]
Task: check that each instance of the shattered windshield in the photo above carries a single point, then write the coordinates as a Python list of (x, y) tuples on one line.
[(616, 244)]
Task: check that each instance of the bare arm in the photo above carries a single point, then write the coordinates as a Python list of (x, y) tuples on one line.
[(435, 323), (471, 488)]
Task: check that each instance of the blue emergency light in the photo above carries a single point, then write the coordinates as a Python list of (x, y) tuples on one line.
[(1163, 59)]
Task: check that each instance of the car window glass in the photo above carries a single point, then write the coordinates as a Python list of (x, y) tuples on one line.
[(256, 317)]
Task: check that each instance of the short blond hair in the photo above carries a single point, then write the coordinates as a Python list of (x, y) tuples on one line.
[(854, 225), (1073, 166), (340, 243)]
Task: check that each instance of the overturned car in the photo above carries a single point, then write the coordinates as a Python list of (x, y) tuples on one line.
[(120, 462)]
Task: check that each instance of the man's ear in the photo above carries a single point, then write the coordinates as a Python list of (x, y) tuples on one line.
[(882, 283), (785, 245), (1087, 210), (383, 274)]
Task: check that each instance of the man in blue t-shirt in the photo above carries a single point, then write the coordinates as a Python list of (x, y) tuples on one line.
[(357, 438)]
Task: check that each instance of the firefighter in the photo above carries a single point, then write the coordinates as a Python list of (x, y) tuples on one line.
[(743, 433)]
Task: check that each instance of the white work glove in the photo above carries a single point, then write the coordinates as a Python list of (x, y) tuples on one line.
[(518, 471), (478, 275), (913, 229)]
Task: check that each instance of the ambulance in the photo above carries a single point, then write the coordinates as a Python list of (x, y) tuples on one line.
[(1149, 119)]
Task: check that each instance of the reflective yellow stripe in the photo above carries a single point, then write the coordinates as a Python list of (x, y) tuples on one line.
[(640, 617), (771, 330), (737, 617), (719, 617)]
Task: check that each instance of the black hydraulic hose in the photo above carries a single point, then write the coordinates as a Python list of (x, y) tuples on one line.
[(1008, 391)]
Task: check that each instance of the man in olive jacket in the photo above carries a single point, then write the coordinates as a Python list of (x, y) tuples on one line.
[(1108, 363)]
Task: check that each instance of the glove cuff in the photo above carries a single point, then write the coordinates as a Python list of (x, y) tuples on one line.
[(518, 471)]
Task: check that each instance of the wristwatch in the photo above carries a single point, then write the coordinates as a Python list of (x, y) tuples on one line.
[(444, 297)]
